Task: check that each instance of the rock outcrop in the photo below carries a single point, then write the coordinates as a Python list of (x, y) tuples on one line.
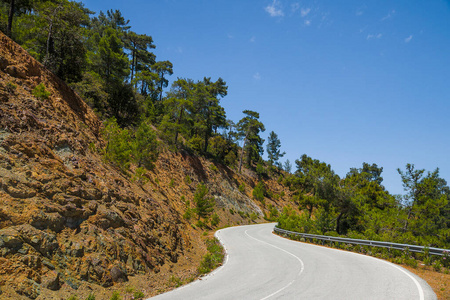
[(67, 217)]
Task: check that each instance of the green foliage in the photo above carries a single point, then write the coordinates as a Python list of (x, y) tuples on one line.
[(196, 143), (40, 92), (259, 191), (215, 220), (118, 149), (242, 188), (204, 206), (171, 183), (273, 149), (187, 214), (261, 170), (213, 168), (213, 258), (140, 294), (139, 176), (174, 280), (187, 180), (145, 146), (437, 265), (73, 297), (91, 297), (116, 296), (249, 128)]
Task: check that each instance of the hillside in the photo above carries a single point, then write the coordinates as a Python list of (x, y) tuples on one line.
[(71, 223)]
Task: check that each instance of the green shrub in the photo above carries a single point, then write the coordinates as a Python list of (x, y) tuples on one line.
[(118, 148), (213, 167), (260, 170), (203, 205), (145, 146), (259, 191), (213, 258), (437, 265), (215, 220), (175, 280), (187, 180), (40, 92), (196, 143), (139, 176), (115, 296), (242, 188), (91, 297), (187, 214), (72, 298), (140, 294), (171, 183)]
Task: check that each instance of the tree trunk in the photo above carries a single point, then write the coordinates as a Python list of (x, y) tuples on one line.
[(10, 18)]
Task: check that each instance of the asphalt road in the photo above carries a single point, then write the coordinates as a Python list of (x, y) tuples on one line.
[(261, 265)]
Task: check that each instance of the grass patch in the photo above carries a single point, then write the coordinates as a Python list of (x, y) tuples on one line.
[(213, 258)]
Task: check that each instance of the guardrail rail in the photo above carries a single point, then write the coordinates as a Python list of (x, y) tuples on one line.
[(396, 246)]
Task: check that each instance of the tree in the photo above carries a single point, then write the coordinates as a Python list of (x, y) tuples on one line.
[(178, 104), (145, 146), (287, 166), (207, 112), (248, 129), (273, 149), (162, 68), (204, 206), (140, 57), (318, 181), (426, 201)]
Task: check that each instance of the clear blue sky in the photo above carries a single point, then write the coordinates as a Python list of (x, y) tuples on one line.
[(345, 82)]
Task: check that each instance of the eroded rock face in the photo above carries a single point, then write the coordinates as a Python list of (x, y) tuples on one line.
[(66, 216)]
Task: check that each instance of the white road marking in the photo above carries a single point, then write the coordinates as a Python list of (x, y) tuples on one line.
[(302, 265)]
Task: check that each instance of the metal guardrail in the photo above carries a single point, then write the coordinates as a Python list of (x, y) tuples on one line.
[(411, 248)]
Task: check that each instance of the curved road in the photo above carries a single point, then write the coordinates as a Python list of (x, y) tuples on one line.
[(261, 265)]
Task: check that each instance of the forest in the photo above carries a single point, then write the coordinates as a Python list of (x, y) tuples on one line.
[(115, 71)]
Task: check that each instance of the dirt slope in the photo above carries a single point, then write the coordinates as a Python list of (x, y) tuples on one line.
[(69, 222)]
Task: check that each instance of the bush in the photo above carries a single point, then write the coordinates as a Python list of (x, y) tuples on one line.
[(260, 170), (215, 220), (203, 205), (139, 176), (187, 214), (139, 294), (145, 146), (91, 297), (175, 280), (259, 191), (213, 258), (196, 143), (437, 265), (242, 188), (115, 296), (118, 148), (40, 92), (187, 180), (213, 168)]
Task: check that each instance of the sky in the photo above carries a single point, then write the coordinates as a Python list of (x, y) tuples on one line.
[(344, 82)]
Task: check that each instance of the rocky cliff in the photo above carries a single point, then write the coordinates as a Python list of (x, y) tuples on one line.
[(68, 219)]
